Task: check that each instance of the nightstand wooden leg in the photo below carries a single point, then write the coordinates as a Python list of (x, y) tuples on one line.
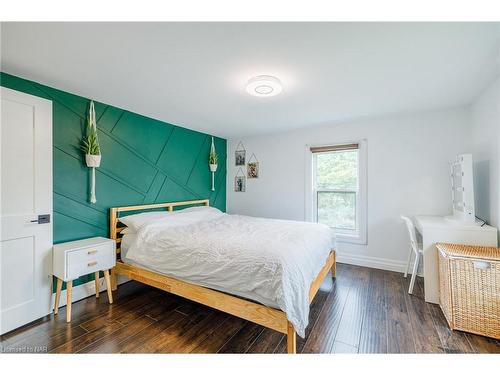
[(113, 280), (69, 290), (58, 295), (97, 284), (108, 286)]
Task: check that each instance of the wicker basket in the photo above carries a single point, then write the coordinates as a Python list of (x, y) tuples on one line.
[(469, 281)]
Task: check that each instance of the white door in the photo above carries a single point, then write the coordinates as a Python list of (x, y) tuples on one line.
[(26, 193)]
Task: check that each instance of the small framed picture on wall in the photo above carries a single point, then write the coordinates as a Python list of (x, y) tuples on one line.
[(240, 157), (253, 169), (239, 184)]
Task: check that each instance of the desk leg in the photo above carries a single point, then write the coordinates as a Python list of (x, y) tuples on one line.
[(69, 290), (58, 295), (431, 269)]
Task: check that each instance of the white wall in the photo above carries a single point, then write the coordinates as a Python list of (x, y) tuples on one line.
[(408, 172), (485, 119)]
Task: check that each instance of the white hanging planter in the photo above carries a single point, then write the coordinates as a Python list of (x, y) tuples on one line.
[(91, 144), (212, 163), (93, 161)]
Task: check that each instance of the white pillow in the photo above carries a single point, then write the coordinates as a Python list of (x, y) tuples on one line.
[(198, 209), (137, 221)]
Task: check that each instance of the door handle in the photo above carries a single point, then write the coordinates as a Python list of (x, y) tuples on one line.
[(42, 219)]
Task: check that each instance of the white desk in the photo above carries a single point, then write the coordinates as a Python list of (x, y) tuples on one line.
[(437, 229)]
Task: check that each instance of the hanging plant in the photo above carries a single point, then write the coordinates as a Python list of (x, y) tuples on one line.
[(213, 159), (90, 146)]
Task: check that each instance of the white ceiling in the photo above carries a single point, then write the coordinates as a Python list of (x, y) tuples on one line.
[(194, 74)]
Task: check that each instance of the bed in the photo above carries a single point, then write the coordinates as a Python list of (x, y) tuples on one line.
[(262, 270)]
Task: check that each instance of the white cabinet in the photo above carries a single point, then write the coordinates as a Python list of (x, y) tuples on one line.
[(78, 258)]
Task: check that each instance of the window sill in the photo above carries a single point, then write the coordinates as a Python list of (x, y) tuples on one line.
[(351, 238)]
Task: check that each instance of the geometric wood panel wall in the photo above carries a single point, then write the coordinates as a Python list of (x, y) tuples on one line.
[(143, 161)]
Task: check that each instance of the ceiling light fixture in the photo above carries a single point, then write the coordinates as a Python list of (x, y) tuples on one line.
[(264, 86)]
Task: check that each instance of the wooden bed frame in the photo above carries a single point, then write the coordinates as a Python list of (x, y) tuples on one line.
[(242, 308)]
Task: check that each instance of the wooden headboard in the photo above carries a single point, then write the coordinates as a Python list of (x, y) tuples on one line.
[(116, 227)]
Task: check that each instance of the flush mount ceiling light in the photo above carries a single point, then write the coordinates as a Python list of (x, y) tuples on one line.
[(264, 86)]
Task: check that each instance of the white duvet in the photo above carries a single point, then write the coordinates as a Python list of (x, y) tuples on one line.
[(270, 261)]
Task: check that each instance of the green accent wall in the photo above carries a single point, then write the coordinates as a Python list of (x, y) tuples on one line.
[(143, 161)]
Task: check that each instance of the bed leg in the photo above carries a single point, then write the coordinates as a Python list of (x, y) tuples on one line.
[(291, 339), (334, 265), (114, 285)]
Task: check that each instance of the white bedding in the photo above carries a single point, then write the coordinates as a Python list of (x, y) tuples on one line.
[(270, 261), (127, 240)]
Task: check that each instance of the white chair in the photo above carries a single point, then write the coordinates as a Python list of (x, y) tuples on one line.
[(415, 248)]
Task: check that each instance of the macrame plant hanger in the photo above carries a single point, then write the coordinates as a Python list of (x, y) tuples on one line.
[(93, 198), (213, 166), (93, 161)]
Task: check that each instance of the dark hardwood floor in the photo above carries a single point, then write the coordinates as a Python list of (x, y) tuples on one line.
[(363, 311)]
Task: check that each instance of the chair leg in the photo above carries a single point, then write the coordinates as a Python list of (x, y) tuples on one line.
[(408, 264), (414, 273)]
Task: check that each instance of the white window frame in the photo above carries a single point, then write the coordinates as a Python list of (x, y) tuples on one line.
[(360, 235)]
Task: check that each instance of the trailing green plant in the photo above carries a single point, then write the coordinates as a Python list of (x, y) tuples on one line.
[(90, 144), (213, 158)]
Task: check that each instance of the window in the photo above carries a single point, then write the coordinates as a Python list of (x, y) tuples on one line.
[(338, 189)]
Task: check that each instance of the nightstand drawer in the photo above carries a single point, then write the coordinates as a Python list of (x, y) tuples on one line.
[(89, 252), (84, 261), (79, 265)]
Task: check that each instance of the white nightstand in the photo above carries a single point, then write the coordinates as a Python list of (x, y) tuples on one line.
[(78, 258)]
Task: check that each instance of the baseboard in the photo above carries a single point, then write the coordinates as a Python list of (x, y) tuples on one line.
[(85, 290), (372, 262)]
